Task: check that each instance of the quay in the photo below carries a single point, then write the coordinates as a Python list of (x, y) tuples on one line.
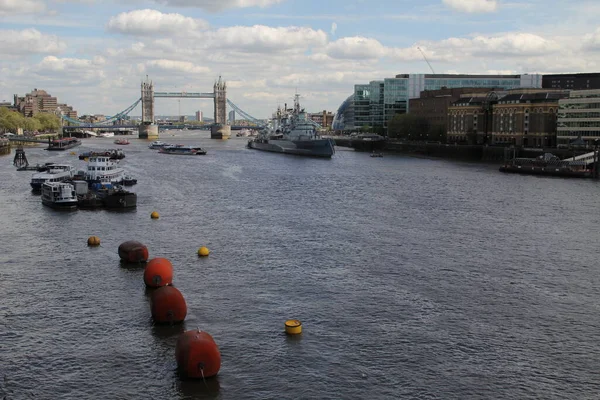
[(463, 152)]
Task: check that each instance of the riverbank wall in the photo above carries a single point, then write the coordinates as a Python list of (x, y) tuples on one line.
[(491, 154)]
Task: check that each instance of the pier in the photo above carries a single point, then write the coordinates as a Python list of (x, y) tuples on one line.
[(4, 146)]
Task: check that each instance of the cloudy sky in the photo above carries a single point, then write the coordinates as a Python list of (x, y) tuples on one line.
[(93, 54)]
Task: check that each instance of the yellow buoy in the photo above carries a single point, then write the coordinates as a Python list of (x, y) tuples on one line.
[(293, 327), (73, 153), (93, 241), (154, 215), (203, 251)]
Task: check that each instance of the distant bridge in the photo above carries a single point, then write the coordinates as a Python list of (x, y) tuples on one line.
[(148, 117), (114, 128)]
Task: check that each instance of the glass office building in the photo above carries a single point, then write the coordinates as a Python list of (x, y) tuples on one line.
[(344, 116), (579, 118), (377, 102)]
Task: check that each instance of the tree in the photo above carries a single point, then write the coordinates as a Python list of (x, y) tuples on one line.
[(437, 133), (32, 124), (48, 122), (10, 120), (365, 129), (408, 127)]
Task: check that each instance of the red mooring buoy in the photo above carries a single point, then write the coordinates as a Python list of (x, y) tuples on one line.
[(158, 272), (168, 305), (197, 355), (133, 252)]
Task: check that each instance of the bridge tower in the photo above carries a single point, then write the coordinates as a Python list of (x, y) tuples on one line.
[(148, 129), (220, 130)]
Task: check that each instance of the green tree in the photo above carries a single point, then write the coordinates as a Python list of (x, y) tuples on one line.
[(48, 122), (437, 133), (365, 129), (408, 127), (10, 121), (32, 124)]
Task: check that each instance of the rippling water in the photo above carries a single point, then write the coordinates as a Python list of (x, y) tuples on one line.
[(414, 278)]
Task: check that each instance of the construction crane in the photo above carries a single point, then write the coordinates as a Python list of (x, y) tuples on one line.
[(430, 67)]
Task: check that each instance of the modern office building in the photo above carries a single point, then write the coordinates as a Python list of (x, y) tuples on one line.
[(377, 102), (579, 118), (231, 117), (521, 117), (343, 119), (584, 81), (199, 116)]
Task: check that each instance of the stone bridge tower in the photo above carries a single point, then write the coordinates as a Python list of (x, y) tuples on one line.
[(148, 130), (220, 130), (220, 90)]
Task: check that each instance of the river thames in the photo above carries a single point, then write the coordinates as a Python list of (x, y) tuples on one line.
[(413, 278)]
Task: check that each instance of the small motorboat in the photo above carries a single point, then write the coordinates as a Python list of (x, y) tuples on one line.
[(121, 141), (158, 145), (128, 181), (182, 150), (373, 154)]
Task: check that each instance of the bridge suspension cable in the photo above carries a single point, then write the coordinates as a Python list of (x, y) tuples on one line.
[(245, 114), (108, 119)]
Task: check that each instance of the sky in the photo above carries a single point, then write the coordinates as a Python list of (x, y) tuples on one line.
[(93, 54)]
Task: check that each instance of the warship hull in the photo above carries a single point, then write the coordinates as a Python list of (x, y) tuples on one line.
[(310, 148)]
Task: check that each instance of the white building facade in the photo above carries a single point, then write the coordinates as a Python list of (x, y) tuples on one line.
[(579, 118)]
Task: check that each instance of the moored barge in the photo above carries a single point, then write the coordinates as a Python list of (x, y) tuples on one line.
[(63, 144)]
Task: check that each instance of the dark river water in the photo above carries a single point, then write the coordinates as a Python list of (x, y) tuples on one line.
[(413, 278)]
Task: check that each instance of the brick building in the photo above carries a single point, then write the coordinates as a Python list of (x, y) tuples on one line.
[(433, 104), (527, 119), (324, 118), (39, 101), (521, 117)]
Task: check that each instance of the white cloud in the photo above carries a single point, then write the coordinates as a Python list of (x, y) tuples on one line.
[(323, 78), (261, 38), (510, 44), (218, 5), (153, 22), (178, 66), (591, 41), (472, 6), (356, 47), (11, 7), (29, 41), (248, 84), (70, 71), (52, 63)]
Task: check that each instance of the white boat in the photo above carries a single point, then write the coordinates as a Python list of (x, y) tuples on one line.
[(54, 173), (102, 169), (106, 134), (59, 195), (182, 150), (158, 144)]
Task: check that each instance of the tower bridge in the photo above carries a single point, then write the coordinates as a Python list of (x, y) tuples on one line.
[(148, 129), (219, 130)]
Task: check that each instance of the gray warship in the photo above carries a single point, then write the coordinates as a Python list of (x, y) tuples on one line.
[(290, 131)]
